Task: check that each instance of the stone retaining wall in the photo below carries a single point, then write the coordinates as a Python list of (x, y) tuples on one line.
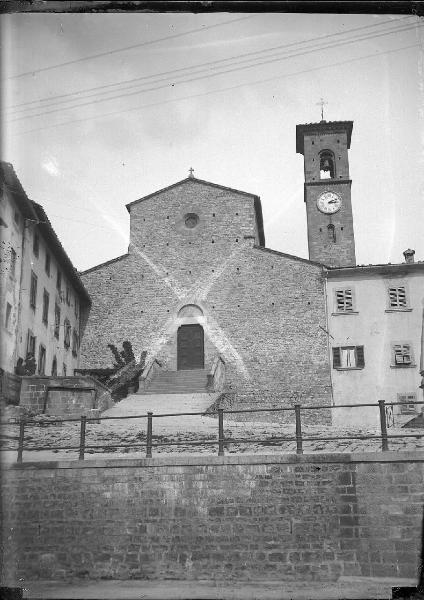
[(66, 396), (287, 517)]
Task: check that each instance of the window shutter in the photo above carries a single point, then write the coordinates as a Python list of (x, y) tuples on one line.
[(336, 358), (360, 359)]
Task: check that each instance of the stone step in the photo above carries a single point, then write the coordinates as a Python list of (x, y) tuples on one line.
[(177, 382)]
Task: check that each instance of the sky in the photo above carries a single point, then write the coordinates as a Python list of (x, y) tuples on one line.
[(144, 97)]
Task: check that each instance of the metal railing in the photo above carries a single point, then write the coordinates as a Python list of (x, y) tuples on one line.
[(221, 440)]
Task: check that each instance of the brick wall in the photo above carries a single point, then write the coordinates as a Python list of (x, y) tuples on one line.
[(234, 518), (264, 311), (74, 396)]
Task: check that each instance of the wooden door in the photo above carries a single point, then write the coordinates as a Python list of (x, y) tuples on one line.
[(190, 347)]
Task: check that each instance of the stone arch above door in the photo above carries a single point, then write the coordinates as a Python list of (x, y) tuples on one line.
[(190, 311)]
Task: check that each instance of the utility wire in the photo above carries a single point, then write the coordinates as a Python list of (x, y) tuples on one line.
[(117, 50), (237, 68), (197, 66), (234, 87)]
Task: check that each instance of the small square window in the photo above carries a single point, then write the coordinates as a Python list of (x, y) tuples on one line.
[(402, 355), (348, 357), (36, 244), (406, 406), (398, 297)]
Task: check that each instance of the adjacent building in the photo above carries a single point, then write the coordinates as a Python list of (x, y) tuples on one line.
[(43, 301)]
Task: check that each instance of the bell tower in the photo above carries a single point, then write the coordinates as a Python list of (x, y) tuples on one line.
[(325, 146)]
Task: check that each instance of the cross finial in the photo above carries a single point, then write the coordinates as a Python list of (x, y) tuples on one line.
[(321, 103), (191, 171)]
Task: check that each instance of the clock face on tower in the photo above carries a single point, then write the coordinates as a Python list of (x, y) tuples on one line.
[(329, 202)]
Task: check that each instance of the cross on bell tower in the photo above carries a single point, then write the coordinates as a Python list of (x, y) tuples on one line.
[(322, 103), (191, 171)]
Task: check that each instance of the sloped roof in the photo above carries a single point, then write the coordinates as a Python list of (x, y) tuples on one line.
[(256, 200)]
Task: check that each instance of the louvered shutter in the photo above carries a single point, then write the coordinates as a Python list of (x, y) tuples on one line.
[(336, 358), (360, 359)]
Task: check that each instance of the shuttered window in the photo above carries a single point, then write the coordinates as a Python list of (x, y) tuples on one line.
[(33, 290), (344, 300), (402, 355), (348, 357), (406, 400), (398, 297)]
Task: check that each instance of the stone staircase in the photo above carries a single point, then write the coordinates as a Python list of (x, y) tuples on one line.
[(177, 382)]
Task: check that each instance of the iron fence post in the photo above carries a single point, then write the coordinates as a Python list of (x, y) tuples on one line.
[(21, 440), (383, 425), (220, 432), (299, 447), (149, 435), (82, 437)]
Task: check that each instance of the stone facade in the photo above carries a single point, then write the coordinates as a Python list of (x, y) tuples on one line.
[(266, 518), (261, 310)]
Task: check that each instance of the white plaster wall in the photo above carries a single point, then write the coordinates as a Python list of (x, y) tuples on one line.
[(32, 319), (376, 329)]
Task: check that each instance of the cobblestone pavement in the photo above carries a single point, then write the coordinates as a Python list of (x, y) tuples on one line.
[(258, 437)]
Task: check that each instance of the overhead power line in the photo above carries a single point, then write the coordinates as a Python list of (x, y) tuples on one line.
[(209, 75), (199, 65), (226, 89), (118, 50)]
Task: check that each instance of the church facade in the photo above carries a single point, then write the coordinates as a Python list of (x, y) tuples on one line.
[(198, 282)]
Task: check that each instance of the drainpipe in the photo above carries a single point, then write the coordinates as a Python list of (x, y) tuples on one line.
[(422, 355), (327, 319)]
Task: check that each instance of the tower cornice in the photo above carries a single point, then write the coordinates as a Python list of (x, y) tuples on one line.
[(321, 128)]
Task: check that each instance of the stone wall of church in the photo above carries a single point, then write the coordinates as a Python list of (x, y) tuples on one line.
[(263, 311)]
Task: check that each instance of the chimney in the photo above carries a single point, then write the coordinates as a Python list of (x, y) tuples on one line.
[(409, 256)]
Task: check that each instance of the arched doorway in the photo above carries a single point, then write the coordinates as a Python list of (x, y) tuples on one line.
[(190, 347)]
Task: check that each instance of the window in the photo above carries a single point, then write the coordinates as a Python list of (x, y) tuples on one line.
[(59, 281), (42, 360), (16, 217), (76, 307), (64, 369), (67, 335), (31, 340), (331, 233), (344, 300), (74, 342), (68, 295), (33, 290), (54, 367), (12, 262), (45, 307), (36, 244), (326, 165), (402, 355), (406, 406), (398, 297), (8, 315), (47, 264), (56, 320), (348, 357)]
